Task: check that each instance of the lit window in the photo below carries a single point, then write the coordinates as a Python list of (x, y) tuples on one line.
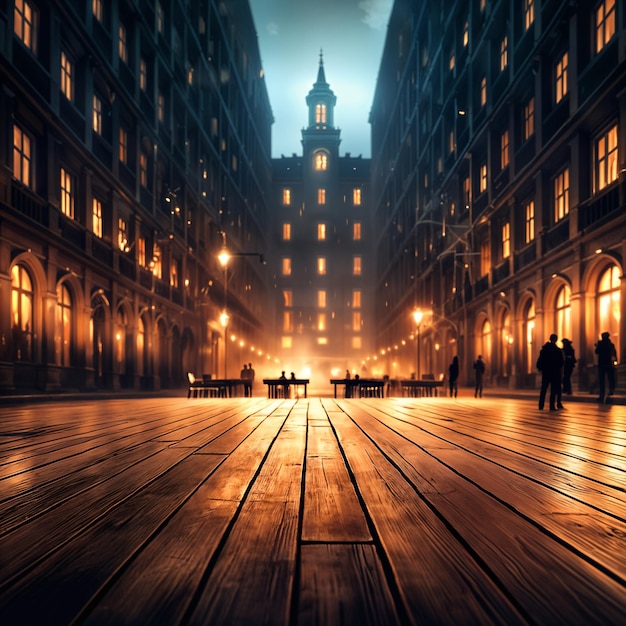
[(357, 343), (22, 300), (529, 119), (356, 231), (320, 114), (504, 149), (483, 91), (504, 53), (96, 217), (143, 75), (561, 195), (190, 73), (123, 146), (286, 197), (564, 311), (174, 273), (560, 78), (483, 4), (322, 341), (286, 266), (141, 251), (604, 23), (287, 321), (143, 169), (63, 334), (67, 83), (356, 196), (286, 231), (321, 265), (356, 321), (485, 258), (451, 142), (321, 161), (96, 9), (606, 158), (321, 196), (482, 183), (22, 156), (529, 13), (452, 61), (123, 44), (465, 34), (161, 107), (96, 116), (321, 298), (609, 308), (286, 343), (321, 322), (356, 299), (122, 234), (529, 231), (529, 334), (356, 266), (25, 24), (506, 240), (67, 197), (321, 232), (466, 192), (288, 297), (156, 263)]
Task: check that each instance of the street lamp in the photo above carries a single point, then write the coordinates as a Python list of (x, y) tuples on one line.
[(223, 258), (418, 316)]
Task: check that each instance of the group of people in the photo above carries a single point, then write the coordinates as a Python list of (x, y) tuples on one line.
[(247, 375), (556, 366), (453, 376)]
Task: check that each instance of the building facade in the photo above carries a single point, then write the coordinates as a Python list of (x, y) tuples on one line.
[(135, 145), (322, 265), (498, 185)]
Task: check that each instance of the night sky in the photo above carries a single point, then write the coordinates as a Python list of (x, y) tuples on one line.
[(351, 34)]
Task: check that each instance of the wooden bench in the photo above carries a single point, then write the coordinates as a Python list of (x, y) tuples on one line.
[(208, 387), (421, 388), (281, 387), (360, 387)]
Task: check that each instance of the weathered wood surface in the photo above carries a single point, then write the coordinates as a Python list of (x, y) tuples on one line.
[(312, 511)]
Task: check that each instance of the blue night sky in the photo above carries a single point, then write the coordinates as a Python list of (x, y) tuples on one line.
[(351, 34)]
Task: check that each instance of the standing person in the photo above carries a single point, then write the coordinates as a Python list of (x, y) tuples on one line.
[(251, 379), (607, 360), (568, 365), (550, 363), (479, 368), (244, 377), (453, 376)]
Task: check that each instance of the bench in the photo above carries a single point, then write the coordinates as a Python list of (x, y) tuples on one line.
[(360, 387), (421, 388), (207, 387)]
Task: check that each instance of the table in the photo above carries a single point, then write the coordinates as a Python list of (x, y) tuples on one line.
[(421, 388), (280, 387), (361, 387)]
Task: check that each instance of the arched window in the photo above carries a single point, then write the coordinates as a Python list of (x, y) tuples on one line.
[(485, 341), (120, 342), (563, 312), (506, 341), (141, 343), (529, 337), (321, 161), (608, 299), (22, 314), (64, 326)]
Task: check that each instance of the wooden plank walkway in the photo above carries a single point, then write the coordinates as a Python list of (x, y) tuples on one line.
[(312, 511)]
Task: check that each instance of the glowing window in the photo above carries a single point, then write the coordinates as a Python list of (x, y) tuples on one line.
[(529, 335), (286, 231), (286, 343), (483, 91), (321, 322), (357, 343), (321, 232), (96, 9), (63, 334), (356, 196), (286, 266), (96, 115), (356, 299), (22, 157), (321, 298), (287, 321), (529, 13), (96, 217), (143, 75), (286, 197), (321, 161), (529, 119), (321, 265), (25, 24), (506, 240), (356, 231), (604, 23), (321, 196), (143, 169), (482, 181), (485, 258), (67, 194), (67, 77), (465, 34), (561, 195), (356, 266), (356, 321), (141, 251), (22, 314), (161, 107), (320, 114), (504, 149), (504, 53), (122, 43), (122, 234), (287, 297), (560, 78), (529, 230), (563, 311), (123, 146), (609, 311), (606, 158)]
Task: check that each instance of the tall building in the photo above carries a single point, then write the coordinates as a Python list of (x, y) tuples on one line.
[(321, 241), (498, 179), (135, 145)]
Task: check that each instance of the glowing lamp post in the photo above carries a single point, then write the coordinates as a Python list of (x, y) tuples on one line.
[(418, 316), (223, 258)]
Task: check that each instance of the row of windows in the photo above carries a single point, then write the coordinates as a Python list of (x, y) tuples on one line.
[(321, 196), (286, 342), (322, 231), (322, 298), (321, 322), (322, 266)]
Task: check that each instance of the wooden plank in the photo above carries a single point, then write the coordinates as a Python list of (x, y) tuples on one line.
[(439, 580), (252, 581), (344, 585), (161, 581), (332, 511)]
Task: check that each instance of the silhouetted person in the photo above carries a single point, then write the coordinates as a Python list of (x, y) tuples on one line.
[(568, 366), (479, 372), (251, 378), (607, 360), (285, 384), (550, 364), (453, 376), (245, 376)]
